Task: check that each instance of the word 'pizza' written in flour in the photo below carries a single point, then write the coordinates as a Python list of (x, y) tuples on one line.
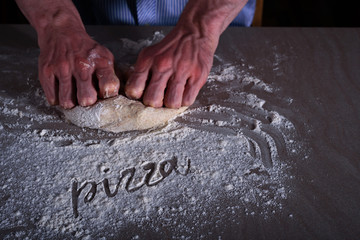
[(155, 173)]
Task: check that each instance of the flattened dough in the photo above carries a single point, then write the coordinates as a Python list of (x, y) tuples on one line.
[(120, 114)]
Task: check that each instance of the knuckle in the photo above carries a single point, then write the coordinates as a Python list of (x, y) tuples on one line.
[(184, 69), (106, 52), (64, 69), (102, 74), (100, 52), (81, 62), (158, 81), (177, 82), (104, 63), (84, 68), (163, 63)]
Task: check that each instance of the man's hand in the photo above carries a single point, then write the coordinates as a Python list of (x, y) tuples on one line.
[(69, 58), (172, 72)]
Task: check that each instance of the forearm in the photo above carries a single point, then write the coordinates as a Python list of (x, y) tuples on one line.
[(211, 17), (48, 15)]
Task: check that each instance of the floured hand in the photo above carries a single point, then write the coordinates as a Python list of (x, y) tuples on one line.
[(67, 64), (172, 72), (69, 58)]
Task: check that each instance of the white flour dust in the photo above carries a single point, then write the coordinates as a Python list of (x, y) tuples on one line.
[(224, 156)]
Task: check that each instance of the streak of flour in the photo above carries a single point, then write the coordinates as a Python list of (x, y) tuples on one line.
[(205, 167)]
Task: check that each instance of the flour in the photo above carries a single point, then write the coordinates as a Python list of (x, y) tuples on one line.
[(219, 160)]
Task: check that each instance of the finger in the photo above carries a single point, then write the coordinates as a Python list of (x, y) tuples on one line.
[(109, 83), (136, 83), (66, 87), (154, 93), (49, 84), (174, 91), (86, 92), (192, 89), (67, 93)]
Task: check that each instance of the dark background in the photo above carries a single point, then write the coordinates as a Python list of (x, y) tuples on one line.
[(299, 13)]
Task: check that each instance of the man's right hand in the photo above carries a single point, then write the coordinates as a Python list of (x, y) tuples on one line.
[(69, 58)]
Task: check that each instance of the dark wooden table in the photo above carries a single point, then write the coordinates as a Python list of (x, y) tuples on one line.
[(315, 77)]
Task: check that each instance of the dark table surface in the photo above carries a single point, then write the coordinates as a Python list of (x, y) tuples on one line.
[(314, 75)]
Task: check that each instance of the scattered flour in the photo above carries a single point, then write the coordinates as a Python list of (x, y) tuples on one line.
[(218, 161)]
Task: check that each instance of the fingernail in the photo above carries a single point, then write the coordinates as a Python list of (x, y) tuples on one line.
[(110, 93)]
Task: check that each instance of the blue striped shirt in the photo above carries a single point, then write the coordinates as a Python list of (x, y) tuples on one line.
[(145, 12)]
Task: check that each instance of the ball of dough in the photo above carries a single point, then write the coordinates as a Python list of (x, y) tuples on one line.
[(120, 114)]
